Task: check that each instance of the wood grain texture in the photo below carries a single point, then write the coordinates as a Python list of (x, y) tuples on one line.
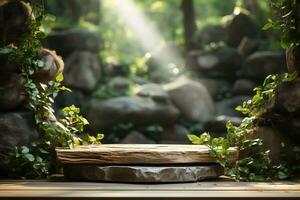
[(203, 190), (137, 154)]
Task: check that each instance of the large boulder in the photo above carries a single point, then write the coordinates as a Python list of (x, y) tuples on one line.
[(11, 91), (17, 129), (192, 99), (244, 87), (7, 64), (82, 70), (213, 86), (119, 85), (287, 98), (277, 142), (247, 46), (212, 34), (52, 66), (260, 64), (217, 126), (240, 26), (155, 91), (285, 109), (135, 137), (175, 135), (13, 21), (65, 98), (66, 41), (136, 110), (227, 106), (215, 62)]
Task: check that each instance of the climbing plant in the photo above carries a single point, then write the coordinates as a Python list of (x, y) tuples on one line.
[(38, 159), (254, 163)]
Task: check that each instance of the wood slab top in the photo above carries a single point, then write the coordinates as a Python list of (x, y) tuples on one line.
[(137, 154), (201, 190)]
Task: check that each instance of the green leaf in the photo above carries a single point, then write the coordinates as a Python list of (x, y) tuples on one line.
[(194, 139), (29, 157), (40, 35), (40, 63), (5, 50), (24, 149), (59, 77)]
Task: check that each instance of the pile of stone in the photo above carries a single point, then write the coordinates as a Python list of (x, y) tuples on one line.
[(17, 126), (79, 49), (232, 65)]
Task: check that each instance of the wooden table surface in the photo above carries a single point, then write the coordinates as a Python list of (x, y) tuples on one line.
[(12, 189)]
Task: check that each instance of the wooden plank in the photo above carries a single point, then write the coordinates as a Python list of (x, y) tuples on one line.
[(202, 190), (137, 154)]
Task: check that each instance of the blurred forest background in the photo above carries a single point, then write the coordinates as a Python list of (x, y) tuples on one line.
[(153, 71)]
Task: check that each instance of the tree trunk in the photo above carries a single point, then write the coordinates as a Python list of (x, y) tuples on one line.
[(187, 7)]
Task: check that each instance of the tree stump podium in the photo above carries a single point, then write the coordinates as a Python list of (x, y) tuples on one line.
[(140, 163)]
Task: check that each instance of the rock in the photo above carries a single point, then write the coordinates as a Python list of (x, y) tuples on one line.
[(276, 142), (116, 69), (288, 125), (13, 21), (65, 99), (139, 80), (293, 59), (240, 26), (142, 174), (119, 85), (287, 98), (217, 127), (243, 87), (155, 91), (261, 64), (71, 10), (7, 65), (285, 109), (212, 34), (11, 89), (135, 137), (213, 86), (247, 46), (52, 66), (175, 135), (17, 129), (227, 106), (82, 70), (66, 41), (137, 110), (192, 99), (216, 62)]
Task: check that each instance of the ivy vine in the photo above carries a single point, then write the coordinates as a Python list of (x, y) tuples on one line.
[(254, 163), (39, 159)]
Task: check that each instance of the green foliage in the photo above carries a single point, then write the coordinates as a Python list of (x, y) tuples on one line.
[(285, 11), (38, 159), (254, 163), (258, 104)]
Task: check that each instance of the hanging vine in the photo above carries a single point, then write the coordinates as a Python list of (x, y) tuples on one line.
[(38, 159)]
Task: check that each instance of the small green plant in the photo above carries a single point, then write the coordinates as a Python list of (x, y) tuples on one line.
[(38, 159), (254, 163)]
